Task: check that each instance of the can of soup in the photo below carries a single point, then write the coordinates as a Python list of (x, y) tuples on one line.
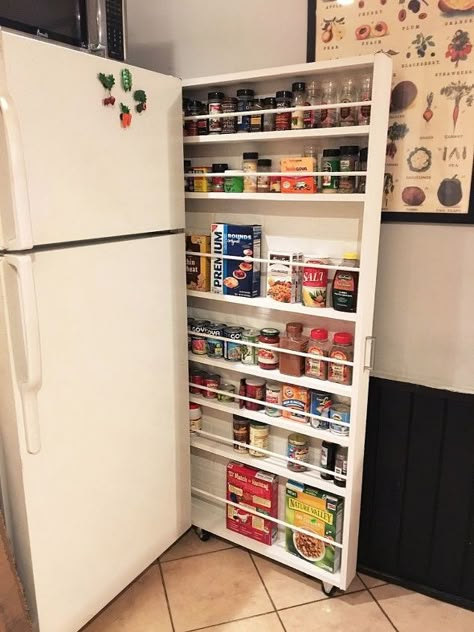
[(198, 343), (232, 346), (215, 347), (211, 381), (248, 352)]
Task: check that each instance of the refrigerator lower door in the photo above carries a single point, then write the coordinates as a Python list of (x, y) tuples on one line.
[(93, 418)]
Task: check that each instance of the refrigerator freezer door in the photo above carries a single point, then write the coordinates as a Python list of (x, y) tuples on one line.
[(68, 170), (97, 462)]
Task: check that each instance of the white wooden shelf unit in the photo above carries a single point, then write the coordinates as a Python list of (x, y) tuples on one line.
[(313, 224)]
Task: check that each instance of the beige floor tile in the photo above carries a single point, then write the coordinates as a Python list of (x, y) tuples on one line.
[(371, 582), (289, 588), (412, 612), (264, 623), (189, 544), (141, 608), (356, 612), (206, 590)]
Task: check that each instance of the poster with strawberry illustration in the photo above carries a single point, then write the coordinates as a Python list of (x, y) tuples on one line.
[(429, 158)]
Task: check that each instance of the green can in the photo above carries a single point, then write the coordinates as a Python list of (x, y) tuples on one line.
[(233, 181), (330, 162), (249, 353)]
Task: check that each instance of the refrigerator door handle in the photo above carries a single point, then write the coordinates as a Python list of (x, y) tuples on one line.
[(28, 361), (17, 226)]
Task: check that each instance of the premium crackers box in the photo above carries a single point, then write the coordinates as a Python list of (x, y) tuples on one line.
[(198, 269), (319, 512), (235, 277), (257, 490)]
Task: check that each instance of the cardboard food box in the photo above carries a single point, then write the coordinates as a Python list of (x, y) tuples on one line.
[(283, 279), (198, 269), (238, 278), (256, 490), (298, 184), (295, 398), (320, 513)]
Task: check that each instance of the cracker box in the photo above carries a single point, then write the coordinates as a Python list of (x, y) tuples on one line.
[(238, 278), (320, 513), (256, 490), (283, 279), (198, 269), (298, 184), (295, 398)]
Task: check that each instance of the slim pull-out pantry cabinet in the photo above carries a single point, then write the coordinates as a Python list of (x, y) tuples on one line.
[(314, 224)]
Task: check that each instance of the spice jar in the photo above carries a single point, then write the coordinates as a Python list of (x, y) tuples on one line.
[(229, 391), (241, 429), (330, 162), (363, 167), (217, 183), (345, 284), (264, 166), (269, 119), (188, 182), (315, 283), (283, 119), (232, 345), (329, 116), (348, 114), (233, 181), (229, 123), (203, 184), (267, 358), (194, 109), (198, 343), (250, 165), (249, 352), (365, 95), (256, 120), (312, 117), (195, 417), (215, 347), (318, 346), (298, 449), (342, 349), (349, 162), (273, 392), (214, 105), (212, 380), (299, 98), (203, 124), (293, 341), (259, 434), (254, 388), (245, 98)]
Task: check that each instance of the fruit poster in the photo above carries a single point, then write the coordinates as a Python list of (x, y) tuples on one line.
[(429, 154)]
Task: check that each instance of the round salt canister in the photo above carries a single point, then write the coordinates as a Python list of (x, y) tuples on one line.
[(195, 417), (255, 389), (340, 412), (259, 434), (273, 396), (298, 448)]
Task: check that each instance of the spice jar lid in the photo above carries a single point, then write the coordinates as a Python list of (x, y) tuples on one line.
[(269, 102), (254, 382), (349, 149), (250, 155), (245, 92), (294, 329), (250, 332), (258, 424), (319, 334), (284, 94), (238, 418), (273, 386), (298, 86), (265, 162), (353, 256), (230, 99), (343, 338), (215, 95), (269, 331), (219, 167), (331, 152), (297, 438), (193, 406)]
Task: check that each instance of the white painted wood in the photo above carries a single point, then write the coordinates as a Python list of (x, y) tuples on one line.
[(290, 135), (280, 197)]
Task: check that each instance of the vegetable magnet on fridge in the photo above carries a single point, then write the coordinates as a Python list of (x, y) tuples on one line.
[(140, 97), (108, 82)]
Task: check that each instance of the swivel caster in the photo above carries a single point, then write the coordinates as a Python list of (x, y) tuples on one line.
[(329, 590), (202, 534)]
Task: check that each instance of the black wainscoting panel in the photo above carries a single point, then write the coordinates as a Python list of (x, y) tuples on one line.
[(418, 493)]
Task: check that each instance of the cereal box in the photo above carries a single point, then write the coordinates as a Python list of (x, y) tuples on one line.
[(283, 279), (198, 269), (319, 512), (257, 490), (298, 184), (239, 278), (295, 398)]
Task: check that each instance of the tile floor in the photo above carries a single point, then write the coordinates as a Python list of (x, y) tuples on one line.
[(214, 586)]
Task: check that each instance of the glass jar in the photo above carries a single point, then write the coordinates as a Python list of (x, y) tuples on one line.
[(299, 99), (264, 166), (311, 151), (188, 182), (318, 346), (241, 430), (256, 120), (345, 284), (249, 352), (214, 106), (229, 124), (217, 182), (365, 95), (312, 118), (259, 434), (269, 119), (245, 98), (194, 109), (362, 167), (267, 358), (349, 161), (330, 162), (341, 349), (293, 340), (233, 181), (273, 392), (250, 165), (348, 115), (340, 466), (283, 119), (329, 116), (298, 449)]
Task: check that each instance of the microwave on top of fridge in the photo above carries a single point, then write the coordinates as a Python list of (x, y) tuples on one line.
[(94, 25)]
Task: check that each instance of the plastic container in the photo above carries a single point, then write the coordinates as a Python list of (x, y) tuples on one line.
[(318, 346), (345, 284), (293, 340), (195, 417), (341, 349), (245, 98), (214, 106)]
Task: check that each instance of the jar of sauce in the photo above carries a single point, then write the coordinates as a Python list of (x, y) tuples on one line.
[(345, 284), (318, 346), (342, 349), (241, 433), (267, 358), (293, 340)]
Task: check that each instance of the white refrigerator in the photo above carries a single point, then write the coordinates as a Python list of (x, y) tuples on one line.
[(93, 373)]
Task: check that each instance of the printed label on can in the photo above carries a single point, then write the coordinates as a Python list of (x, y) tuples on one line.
[(342, 413), (320, 405)]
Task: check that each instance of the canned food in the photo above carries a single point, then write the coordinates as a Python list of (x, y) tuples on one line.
[(340, 412), (232, 347), (273, 396), (197, 377), (254, 388), (190, 323), (259, 434), (241, 433), (211, 381), (320, 405), (215, 347), (249, 353), (228, 388), (198, 343), (298, 448)]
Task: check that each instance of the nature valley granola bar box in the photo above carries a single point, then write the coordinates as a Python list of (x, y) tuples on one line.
[(319, 512)]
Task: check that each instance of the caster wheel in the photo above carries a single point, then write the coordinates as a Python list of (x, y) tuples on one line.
[(329, 590), (202, 534)]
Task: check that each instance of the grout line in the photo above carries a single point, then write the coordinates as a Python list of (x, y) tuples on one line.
[(382, 610), (186, 557), (252, 616), (366, 585), (267, 591), (166, 597), (325, 598)]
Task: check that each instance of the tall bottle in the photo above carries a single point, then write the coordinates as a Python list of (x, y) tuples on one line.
[(312, 118), (299, 98), (365, 95), (329, 117), (348, 115)]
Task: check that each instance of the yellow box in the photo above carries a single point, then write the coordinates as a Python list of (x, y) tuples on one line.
[(198, 269), (298, 184)]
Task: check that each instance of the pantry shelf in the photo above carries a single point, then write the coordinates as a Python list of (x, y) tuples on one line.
[(212, 518), (277, 422), (279, 197), (273, 375), (290, 135), (267, 303)]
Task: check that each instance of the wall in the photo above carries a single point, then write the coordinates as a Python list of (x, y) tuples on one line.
[(425, 296)]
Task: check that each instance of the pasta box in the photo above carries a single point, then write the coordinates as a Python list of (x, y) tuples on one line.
[(198, 268), (298, 184), (320, 513), (284, 279), (256, 490), (236, 277)]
